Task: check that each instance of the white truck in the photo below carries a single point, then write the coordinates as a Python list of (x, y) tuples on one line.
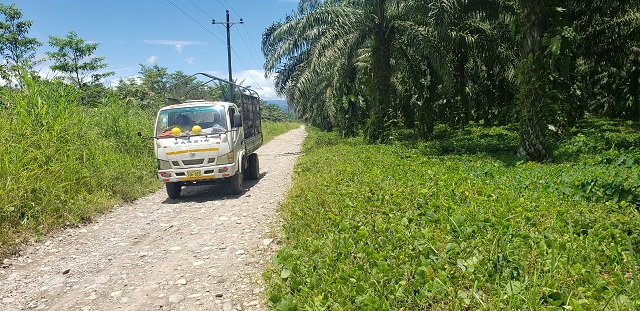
[(202, 141)]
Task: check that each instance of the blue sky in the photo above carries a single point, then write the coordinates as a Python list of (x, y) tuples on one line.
[(176, 34)]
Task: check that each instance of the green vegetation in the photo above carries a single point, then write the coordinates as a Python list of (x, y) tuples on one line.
[(371, 67), (62, 162), (69, 58), (272, 112), (444, 215), (70, 148), (272, 129), (461, 223)]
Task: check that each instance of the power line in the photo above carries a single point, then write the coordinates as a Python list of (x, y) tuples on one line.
[(207, 14), (253, 45), (247, 47), (241, 37), (247, 69), (222, 5), (232, 9), (193, 19), (228, 25), (201, 10)]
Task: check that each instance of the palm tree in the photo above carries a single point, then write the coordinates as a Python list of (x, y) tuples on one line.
[(533, 83), (463, 27), (323, 50), (598, 54), (609, 45)]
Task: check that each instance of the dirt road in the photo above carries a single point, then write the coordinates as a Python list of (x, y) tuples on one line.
[(205, 251)]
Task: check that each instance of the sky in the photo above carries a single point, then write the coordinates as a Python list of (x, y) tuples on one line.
[(176, 34)]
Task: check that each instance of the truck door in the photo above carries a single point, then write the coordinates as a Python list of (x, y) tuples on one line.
[(235, 135)]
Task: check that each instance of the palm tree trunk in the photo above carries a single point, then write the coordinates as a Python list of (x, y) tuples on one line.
[(461, 100), (533, 83), (381, 74), (634, 90), (381, 95)]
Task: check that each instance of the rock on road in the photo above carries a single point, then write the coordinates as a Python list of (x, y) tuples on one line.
[(205, 251)]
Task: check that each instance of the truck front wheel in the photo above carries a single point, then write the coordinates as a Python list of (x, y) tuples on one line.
[(236, 182), (254, 166), (173, 189)]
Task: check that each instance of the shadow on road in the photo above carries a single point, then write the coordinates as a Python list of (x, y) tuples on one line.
[(217, 190)]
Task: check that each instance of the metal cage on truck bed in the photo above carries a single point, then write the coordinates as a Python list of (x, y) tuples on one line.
[(249, 104), (251, 121)]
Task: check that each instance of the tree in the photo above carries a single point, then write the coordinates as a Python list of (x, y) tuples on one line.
[(416, 63), (15, 47), (606, 50), (463, 28), (148, 89), (129, 89), (331, 56), (533, 84), (74, 57), (578, 56), (154, 81)]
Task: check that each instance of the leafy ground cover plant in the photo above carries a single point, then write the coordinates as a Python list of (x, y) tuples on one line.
[(408, 226)]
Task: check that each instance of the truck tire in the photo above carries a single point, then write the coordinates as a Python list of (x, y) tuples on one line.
[(254, 167), (236, 183), (173, 189)]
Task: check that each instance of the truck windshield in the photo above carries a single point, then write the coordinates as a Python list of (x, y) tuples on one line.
[(190, 121)]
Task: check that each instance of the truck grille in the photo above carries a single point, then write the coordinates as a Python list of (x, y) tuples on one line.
[(193, 162)]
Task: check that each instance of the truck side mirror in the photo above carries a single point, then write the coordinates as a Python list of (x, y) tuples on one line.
[(237, 120)]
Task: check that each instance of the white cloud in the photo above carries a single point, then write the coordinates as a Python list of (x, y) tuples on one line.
[(179, 45), (189, 60), (216, 73), (255, 78), (152, 59), (46, 73)]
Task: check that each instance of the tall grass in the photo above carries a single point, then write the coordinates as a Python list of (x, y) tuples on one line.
[(60, 162), (446, 226)]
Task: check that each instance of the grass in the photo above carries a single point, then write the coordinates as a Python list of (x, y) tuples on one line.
[(62, 163), (447, 225), (273, 129), (65, 162)]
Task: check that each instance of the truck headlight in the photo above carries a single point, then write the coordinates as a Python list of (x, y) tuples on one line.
[(164, 165), (226, 159)]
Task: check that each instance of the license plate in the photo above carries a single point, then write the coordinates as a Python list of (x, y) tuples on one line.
[(194, 173)]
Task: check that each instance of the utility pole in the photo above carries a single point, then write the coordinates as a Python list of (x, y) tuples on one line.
[(228, 25)]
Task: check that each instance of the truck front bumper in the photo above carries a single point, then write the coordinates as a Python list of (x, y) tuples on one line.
[(196, 174)]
